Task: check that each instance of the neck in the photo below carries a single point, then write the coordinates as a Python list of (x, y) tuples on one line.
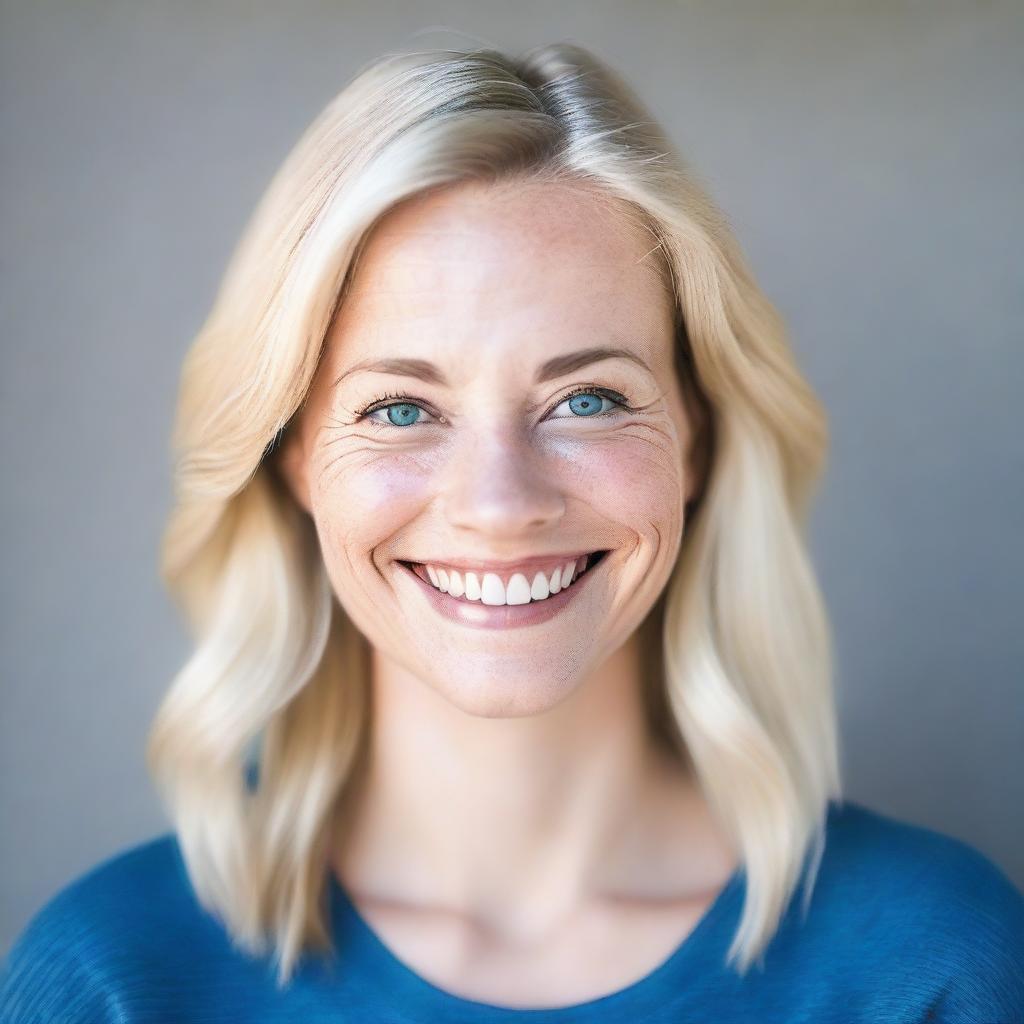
[(521, 818)]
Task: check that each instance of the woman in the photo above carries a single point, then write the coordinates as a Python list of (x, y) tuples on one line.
[(511, 692)]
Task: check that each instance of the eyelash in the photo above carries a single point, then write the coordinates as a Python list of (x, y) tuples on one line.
[(385, 401)]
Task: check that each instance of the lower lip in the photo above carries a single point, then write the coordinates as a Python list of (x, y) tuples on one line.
[(503, 616)]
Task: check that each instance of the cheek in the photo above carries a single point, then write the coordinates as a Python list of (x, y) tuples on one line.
[(360, 507), (635, 478)]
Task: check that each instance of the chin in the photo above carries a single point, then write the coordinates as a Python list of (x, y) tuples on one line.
[(508, 696)]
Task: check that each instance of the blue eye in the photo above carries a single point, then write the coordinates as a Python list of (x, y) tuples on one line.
[(584, 403), (401, 414), (587, 403)]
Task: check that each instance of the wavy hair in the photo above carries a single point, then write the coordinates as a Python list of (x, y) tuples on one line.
[(740, 685)]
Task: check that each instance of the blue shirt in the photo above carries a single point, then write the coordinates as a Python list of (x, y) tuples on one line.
[(905, 924)]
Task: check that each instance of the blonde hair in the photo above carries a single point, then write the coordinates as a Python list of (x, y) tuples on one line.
[(742, 684)]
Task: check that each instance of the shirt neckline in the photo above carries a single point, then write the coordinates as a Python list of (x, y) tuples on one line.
[(647, 993)]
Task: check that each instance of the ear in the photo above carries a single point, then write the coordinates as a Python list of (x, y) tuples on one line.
[(291, 466)]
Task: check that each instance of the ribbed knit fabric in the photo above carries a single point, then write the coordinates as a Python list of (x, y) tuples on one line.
[(905, 924)]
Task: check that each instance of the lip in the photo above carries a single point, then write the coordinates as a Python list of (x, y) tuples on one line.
[(477, 615)]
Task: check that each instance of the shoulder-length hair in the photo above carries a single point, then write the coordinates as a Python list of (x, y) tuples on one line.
[(741, 683)]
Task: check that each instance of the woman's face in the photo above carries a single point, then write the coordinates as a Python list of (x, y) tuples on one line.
[(498, 442)]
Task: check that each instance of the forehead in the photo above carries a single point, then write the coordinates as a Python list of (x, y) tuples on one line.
[(491, 266)]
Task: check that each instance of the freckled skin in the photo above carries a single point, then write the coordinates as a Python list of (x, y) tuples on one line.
[(488, 283)]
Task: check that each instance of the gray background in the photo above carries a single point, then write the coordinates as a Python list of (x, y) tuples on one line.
[(869, 157)]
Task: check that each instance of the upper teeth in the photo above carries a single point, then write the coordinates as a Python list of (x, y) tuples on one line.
[(490, 588)]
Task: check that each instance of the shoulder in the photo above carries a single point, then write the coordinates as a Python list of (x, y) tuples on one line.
[(927, 906), (112, 929), (142, 887), (870, 852)]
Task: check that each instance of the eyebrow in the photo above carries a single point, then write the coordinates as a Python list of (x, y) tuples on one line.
[(556, 367)]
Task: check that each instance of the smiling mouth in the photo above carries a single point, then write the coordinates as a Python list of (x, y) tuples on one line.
[(490, 589)]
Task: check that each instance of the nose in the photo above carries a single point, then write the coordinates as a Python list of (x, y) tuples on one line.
[(499, 486)]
